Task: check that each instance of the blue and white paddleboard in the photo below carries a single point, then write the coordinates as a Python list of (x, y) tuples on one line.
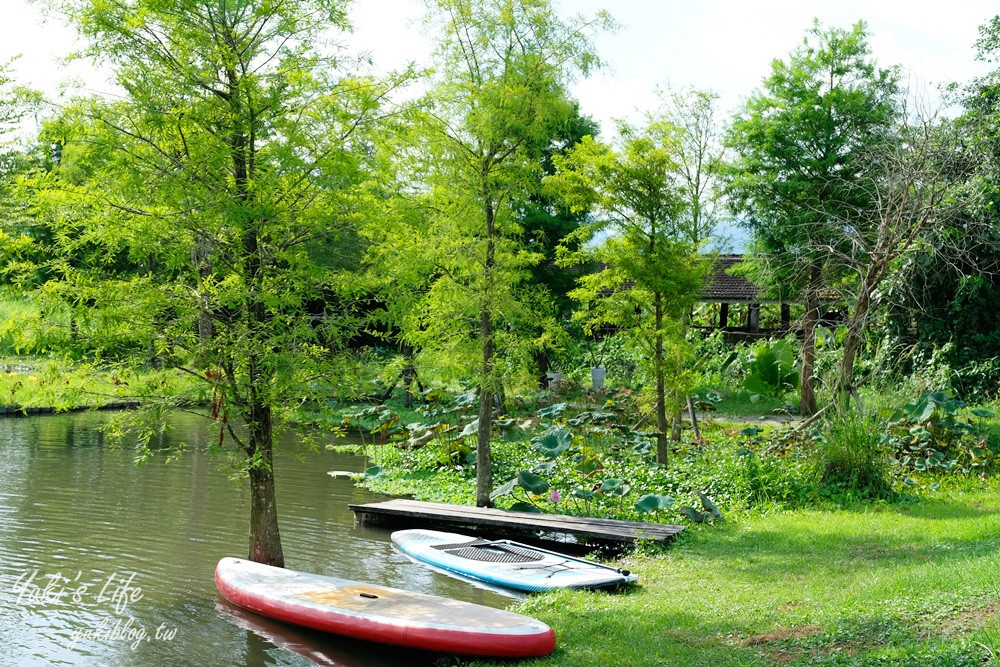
[(505, 563)]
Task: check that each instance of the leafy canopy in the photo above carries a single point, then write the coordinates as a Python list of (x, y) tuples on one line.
[(802, 141)]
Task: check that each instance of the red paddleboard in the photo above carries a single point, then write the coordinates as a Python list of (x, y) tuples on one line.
[(381, 614)]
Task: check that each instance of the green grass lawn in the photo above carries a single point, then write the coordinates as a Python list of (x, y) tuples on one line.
[(916, 583)]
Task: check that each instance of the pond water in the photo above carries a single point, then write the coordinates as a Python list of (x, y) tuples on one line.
[(138, 546)]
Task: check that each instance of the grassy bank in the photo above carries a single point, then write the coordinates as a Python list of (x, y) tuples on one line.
[(816, 565), (913, 583), (36, 382)]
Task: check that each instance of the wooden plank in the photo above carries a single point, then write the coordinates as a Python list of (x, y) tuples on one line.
[(460, 510), (534, 523), (487, 514), (605, 530)]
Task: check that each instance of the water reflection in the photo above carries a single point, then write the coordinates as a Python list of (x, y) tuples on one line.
[(79, 523), (318, 647)]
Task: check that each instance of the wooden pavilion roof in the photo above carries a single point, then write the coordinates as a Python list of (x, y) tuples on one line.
[(723, 287)]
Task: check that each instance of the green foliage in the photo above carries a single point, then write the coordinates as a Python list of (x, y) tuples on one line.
[(722, 365), (743, 473), (544, 221), (31, 383), (700, 160), (463, 294), (553, 411), (651, 502), (803, 178), (929, 433), (726, 385), (944, 322), (816, 117), (532, 483), (616, 353), (652, 271), (553, 443), (455, 452), (944, 327), (378, 420), (773, 371), (613, 487), (458, 249), (16, 102), (208, 215), (199, 220), (852, 456), (591, 462)]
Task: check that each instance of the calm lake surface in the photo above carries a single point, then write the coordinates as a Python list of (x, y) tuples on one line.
[(138, 546)]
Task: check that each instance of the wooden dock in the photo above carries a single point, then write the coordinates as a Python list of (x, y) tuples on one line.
[(496, 523)]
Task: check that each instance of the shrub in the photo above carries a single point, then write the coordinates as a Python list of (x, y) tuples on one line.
[(930, 433), (852, 455), (773, 371)]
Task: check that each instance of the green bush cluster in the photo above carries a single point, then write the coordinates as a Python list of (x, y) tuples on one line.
[(592, 462), (773, 372), (931, 433), (565, 453), (852, 456)]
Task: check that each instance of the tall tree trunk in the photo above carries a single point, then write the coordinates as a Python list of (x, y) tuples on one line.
[(265, 540), (807, 402), (500, 400), (542, 362), (852, 341), (694, 419), (677, 427), (661, 394), (484, 461), (675, 433), (203, 265)]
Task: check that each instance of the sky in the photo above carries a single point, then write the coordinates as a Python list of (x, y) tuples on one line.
[(723, 45)]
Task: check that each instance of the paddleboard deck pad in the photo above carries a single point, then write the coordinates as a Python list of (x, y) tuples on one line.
[(381, 614), (505, 563)]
